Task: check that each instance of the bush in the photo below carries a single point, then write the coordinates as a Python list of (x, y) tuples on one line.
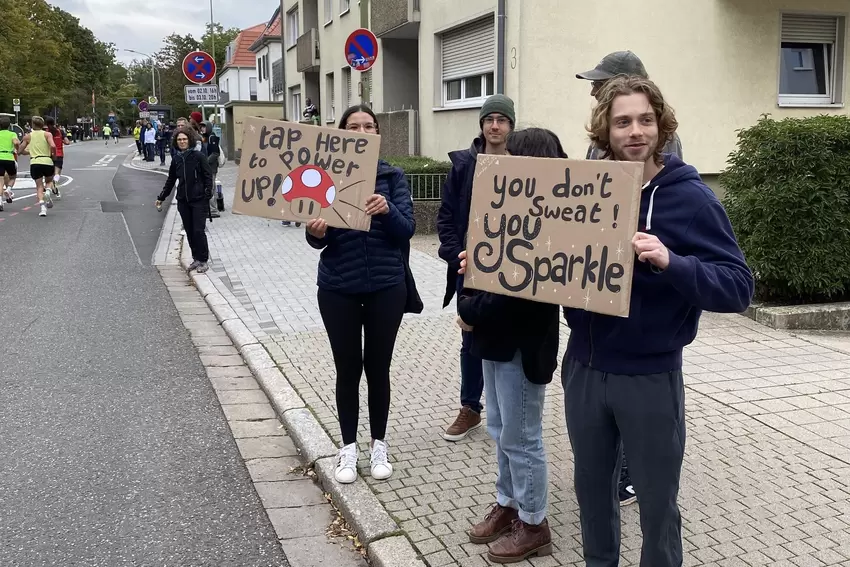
[(788, 197), (419, 164)]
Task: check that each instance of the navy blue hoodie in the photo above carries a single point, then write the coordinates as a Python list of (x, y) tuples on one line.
[(707, 271)]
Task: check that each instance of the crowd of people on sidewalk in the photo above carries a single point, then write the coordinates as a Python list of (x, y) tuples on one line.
[(622, 377)]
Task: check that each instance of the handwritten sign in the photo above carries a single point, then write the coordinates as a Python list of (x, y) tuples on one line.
[(297, 172), (555, 230)]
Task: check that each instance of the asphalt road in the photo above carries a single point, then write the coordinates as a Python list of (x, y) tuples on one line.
[(113, 448)]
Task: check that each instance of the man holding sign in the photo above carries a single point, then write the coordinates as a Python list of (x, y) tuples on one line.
[(622, 377)]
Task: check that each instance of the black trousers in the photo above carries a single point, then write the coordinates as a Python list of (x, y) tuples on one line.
[(378, 316), (645, 415), (194, 215)]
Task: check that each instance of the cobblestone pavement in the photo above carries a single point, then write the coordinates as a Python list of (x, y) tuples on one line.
[(765, 479)]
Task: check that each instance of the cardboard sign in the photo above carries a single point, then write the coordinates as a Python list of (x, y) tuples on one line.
[(555, 230), (296, 172)]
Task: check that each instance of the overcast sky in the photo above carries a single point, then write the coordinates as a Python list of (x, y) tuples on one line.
[(142, 24)]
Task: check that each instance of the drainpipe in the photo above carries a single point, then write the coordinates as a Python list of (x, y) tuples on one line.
[(501, 33), (283, 56)]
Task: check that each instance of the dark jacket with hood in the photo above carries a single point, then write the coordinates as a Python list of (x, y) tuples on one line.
[(356, 261), (193, 171), (502, 324), (211, 144), (453, 217), (707, 271)]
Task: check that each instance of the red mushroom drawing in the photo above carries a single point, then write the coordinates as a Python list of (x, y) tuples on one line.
[(308, 190)]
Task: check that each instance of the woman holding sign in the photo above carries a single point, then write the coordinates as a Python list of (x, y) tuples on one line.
[(517, 340), (362, 289)]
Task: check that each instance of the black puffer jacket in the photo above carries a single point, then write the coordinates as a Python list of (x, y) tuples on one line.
[(355, 261), (195, 175)]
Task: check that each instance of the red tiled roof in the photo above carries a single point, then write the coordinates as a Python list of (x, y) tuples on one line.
[(272, 31), (242, 56)]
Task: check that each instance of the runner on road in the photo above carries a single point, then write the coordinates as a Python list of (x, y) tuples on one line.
[(59, 155), (107, 132), (8, 158), (39, 145)]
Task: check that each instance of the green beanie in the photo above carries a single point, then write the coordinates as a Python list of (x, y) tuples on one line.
[(498, 104)]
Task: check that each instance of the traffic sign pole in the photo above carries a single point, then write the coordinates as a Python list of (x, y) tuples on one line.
[(366, 87)]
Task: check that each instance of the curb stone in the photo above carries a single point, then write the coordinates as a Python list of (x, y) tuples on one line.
[(357, 503), (393, 552), (239, 333)]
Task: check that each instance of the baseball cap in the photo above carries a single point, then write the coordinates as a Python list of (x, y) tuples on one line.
[(613, 64)]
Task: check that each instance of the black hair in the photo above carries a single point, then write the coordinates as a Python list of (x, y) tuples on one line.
[(50, 122), (535, 142), (343, 121), (190, 133), (5, 123)]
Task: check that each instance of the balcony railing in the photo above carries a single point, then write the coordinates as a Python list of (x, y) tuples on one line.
[(308, 51), (426, 186), (277, 76)]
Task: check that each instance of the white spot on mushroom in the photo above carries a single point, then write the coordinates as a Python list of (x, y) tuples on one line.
[(311, 178), (287, 186), (330, 195)]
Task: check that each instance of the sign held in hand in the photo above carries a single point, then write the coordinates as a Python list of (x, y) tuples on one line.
[(555, 230), (297, 172)]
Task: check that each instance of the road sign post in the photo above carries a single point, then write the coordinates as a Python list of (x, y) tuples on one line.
[(16, 104), (199, 67), (361, 50)]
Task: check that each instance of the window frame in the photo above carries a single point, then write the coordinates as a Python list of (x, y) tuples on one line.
[(330, 97), (465, 101), (347, 7), (253, 92), (835, 65), (292, 39), (329, 12), (487, 69), (295, 108)]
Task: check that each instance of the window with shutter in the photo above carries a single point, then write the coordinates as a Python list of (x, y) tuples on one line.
[(346, 87), (329, 11), (468, 61), (330, 86), (811, 63)]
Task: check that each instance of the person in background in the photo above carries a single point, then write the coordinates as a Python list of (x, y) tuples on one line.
[(362, 297), (116, 133), (9, 145), (622, 377), (161, 142), (137, 135), (107, 132), (59, 142), (193, 194), (517, 340), (496, 120), (149, 136), (629, 64), (310, 111), (212, 149)]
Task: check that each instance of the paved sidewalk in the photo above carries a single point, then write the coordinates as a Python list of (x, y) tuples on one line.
[(305, 524), (765, 479)]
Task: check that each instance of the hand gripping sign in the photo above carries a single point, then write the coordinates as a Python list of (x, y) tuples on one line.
[(297, 172)]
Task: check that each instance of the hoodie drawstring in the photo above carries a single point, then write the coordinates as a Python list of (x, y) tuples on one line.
[(649, 212)]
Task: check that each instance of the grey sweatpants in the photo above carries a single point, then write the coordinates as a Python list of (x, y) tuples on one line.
[(646, 413)]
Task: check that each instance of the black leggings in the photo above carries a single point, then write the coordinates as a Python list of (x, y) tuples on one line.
[(194, 216), (378, 315)]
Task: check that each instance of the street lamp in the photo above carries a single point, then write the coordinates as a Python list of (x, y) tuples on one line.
[(153, 81)]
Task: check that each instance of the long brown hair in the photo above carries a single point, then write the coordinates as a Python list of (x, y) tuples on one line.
[(622, 85)]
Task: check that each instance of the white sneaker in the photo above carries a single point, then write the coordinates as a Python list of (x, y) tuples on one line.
[(43, 211), (381, 467), (346, 467)]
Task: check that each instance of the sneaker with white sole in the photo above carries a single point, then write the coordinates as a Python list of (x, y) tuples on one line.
[(381, 467), (346, 465), (43, 211), (9, 195)]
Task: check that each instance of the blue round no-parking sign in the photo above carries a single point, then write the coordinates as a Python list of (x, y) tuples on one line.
[(361, 49)]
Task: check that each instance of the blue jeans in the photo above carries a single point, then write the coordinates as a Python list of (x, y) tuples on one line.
[(471, 376), (515, 422)]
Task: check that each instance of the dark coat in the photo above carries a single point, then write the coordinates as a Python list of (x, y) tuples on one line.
[(453, 216), (356, 261), (193, 171), (502, 324)]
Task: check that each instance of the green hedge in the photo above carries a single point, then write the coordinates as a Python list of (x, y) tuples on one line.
[(788, 197), (419, 164)]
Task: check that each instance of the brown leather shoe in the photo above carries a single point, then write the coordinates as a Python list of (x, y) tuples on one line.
[(496, 523), (466, 421), (522, 542)]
